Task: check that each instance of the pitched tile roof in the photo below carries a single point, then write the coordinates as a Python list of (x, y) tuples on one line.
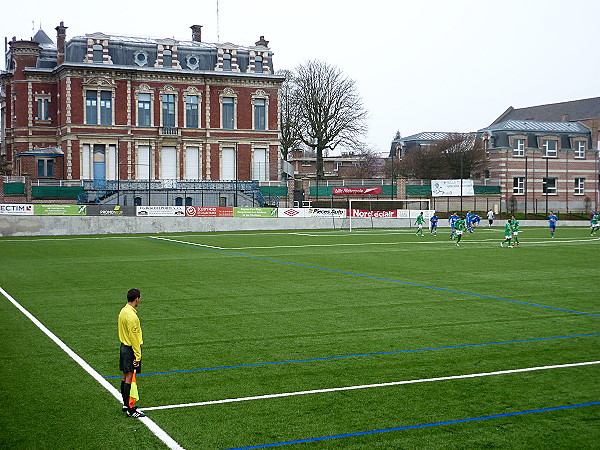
[(588, 108)]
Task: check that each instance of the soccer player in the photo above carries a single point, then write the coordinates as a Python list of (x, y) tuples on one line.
[(434, 221), (451, 221), (552, 219), (507, 234), (490, 217), (514, 223), (420, 222), (595, 225), (460, 226), (469, 221), (476, 220), (130, 361)]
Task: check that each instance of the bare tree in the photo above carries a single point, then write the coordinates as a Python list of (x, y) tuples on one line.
[(331, 112), (457, 156), (288, 116), (366, 167)]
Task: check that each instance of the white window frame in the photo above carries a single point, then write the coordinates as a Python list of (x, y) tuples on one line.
[(192, 169), (228, 169), (260, 169), (43, 113), (228, 93), (580, 149), (198, 106), (579, 188), (143, 159), (550, 190), (169, 167), (519, 147), (137, 110), (518, 185), (548, 153)]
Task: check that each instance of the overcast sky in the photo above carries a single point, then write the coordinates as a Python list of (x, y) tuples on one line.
[(437, 65)]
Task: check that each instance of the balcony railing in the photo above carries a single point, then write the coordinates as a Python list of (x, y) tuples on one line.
[(169, 131)]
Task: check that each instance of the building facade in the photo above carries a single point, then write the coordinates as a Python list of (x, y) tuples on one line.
[(542, 166), (101, 107), (540, 157)]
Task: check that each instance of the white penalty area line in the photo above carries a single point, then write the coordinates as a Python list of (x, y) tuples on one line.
[(158, 432), (368, 386)]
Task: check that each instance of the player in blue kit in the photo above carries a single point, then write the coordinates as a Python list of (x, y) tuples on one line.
[(434, 222), (552, 219), (452, 221)]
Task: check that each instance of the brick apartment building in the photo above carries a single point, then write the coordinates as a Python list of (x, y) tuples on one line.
[(101, 108), (540, 157)]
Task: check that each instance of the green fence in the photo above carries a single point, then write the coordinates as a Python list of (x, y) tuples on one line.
[(14, 188)]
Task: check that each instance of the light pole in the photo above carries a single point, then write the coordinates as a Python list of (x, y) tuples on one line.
[(547, 180)]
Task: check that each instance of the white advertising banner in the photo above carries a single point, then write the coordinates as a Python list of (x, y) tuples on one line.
[(291, 212), (451, 188), (160, 211), (427, 213), (16, 209), (337, 213)]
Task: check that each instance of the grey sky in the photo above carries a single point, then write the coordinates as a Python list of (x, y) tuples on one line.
[(437, 65)]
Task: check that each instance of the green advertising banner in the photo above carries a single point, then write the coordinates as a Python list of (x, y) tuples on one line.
[(240, 211), (59, 210)]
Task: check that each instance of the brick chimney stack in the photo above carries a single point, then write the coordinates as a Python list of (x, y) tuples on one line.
[(196, 33), (61, 34)]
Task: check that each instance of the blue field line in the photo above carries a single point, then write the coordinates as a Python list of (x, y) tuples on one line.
[(424, 425), (372, 277), (325, 358)]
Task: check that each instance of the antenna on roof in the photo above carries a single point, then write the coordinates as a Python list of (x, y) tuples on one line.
[(218, 31)]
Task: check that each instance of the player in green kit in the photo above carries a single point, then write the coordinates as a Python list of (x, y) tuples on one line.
[(507, 234), (514, 223), (460, 227), (419, 223), (595, 224)]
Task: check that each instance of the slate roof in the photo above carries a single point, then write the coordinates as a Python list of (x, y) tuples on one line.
[(42, 38), (48, 151), (588, 108), (535, 126)]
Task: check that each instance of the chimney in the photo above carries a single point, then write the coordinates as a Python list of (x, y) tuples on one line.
[(196, 33), (61, 34)]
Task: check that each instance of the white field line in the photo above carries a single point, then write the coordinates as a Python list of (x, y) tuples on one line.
[(176, 241), (158, 432), (368, 386), (362, 244)]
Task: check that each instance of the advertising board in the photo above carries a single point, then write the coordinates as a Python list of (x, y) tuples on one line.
[(59, 210), (160, 211), (15, 209)]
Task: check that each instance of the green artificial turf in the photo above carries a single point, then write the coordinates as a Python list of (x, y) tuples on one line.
[(234, 315)]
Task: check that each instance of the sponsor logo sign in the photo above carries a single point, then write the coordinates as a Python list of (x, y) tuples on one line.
[(160, 211), (16, 209), (381, 214), (451, 188), (326, 212), (208, 211), (254, 212), (59, 210), (110, 210), (292, 212), (361, 190)]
